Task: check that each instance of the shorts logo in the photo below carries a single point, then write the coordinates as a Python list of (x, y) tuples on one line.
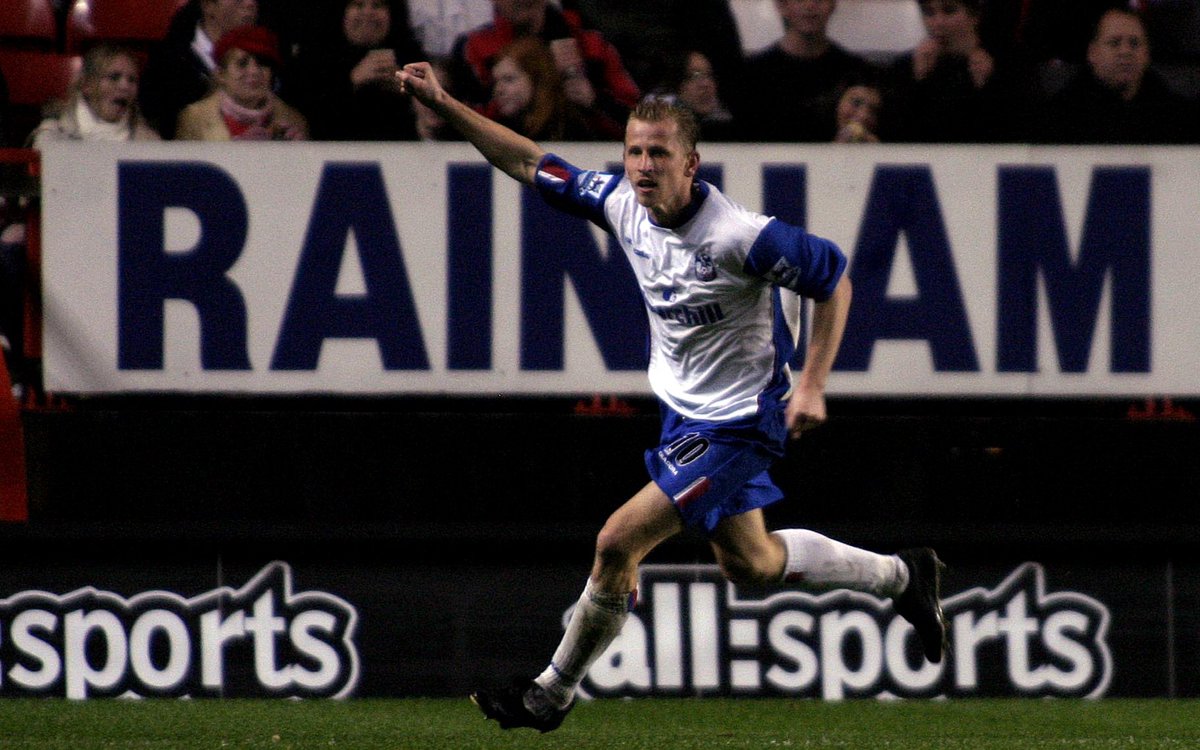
[(705, 270)]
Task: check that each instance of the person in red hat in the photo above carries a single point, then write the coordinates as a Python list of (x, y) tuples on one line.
[(244, 105), (181, 66)]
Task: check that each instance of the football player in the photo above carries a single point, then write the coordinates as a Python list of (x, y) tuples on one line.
[(722, 288)]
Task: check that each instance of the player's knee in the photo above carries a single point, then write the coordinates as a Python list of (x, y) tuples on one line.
[(746, 571), (613, 551)]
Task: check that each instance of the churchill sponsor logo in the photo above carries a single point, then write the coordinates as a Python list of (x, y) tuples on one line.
[(688, 315), (693, 633), (260, 640)]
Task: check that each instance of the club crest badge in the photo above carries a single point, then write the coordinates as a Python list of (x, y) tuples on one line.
[(705, 270)]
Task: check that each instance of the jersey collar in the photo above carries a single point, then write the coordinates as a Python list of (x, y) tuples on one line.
[(699, 193)]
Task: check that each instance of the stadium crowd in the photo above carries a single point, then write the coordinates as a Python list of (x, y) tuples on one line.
[(987, 71)]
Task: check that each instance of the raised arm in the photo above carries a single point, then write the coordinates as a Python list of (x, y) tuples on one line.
[(806, 409), (508, 151)]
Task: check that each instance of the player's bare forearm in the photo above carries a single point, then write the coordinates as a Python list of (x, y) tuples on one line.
[(507, 150), (806, 408), (829, 323)]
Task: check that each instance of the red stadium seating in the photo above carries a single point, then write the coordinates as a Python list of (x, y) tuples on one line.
[(35, 78), (138, 23), (28, 24)]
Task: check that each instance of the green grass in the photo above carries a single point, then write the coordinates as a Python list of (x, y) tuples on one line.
[(602, 725)]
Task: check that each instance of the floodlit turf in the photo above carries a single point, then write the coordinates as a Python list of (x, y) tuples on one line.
[(602, 725)]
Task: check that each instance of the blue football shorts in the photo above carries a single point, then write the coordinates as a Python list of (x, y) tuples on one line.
[(713, 470)]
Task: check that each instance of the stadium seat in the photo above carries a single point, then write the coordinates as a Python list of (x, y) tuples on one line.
[(28, 24), (138, 23), (35, 79)]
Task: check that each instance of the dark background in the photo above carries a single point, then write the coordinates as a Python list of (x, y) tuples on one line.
[(976, 477)]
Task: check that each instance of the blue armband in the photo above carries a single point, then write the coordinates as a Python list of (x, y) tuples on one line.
[(790, 257)]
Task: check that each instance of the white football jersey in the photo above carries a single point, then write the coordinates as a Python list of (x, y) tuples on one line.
[(720, 289)]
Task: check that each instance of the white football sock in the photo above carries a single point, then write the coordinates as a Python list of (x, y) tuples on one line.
[(818, 563), (596, 621)]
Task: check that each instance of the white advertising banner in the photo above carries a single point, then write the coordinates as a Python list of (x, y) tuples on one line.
[(414, 268)]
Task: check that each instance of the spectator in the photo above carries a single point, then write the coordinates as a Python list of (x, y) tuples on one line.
[(180, 69), (102, 105), (1117, 97), (345, 84), (593, 74), (950, 89), (243, 107), (792, 86), (437, 24), (859, 111), (1061, 30), (694, 85), (528, 96), (648, 34)]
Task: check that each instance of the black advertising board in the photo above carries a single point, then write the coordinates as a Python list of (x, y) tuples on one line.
[(370, 627)]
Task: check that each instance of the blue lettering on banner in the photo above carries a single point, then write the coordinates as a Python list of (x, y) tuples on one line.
[(785, 196), (469, 267), (903, 200), (713, 174), (555, 247), (148, 275), (351, 198), (1035, 266), (1033, 244)]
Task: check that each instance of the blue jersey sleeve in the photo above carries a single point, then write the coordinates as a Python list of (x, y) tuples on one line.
[(790, 257), (576, 191)]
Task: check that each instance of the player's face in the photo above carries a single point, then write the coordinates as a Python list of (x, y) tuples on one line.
[(660, 167)]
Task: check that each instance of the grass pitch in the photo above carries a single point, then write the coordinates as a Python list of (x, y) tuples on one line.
[(602, 725)]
